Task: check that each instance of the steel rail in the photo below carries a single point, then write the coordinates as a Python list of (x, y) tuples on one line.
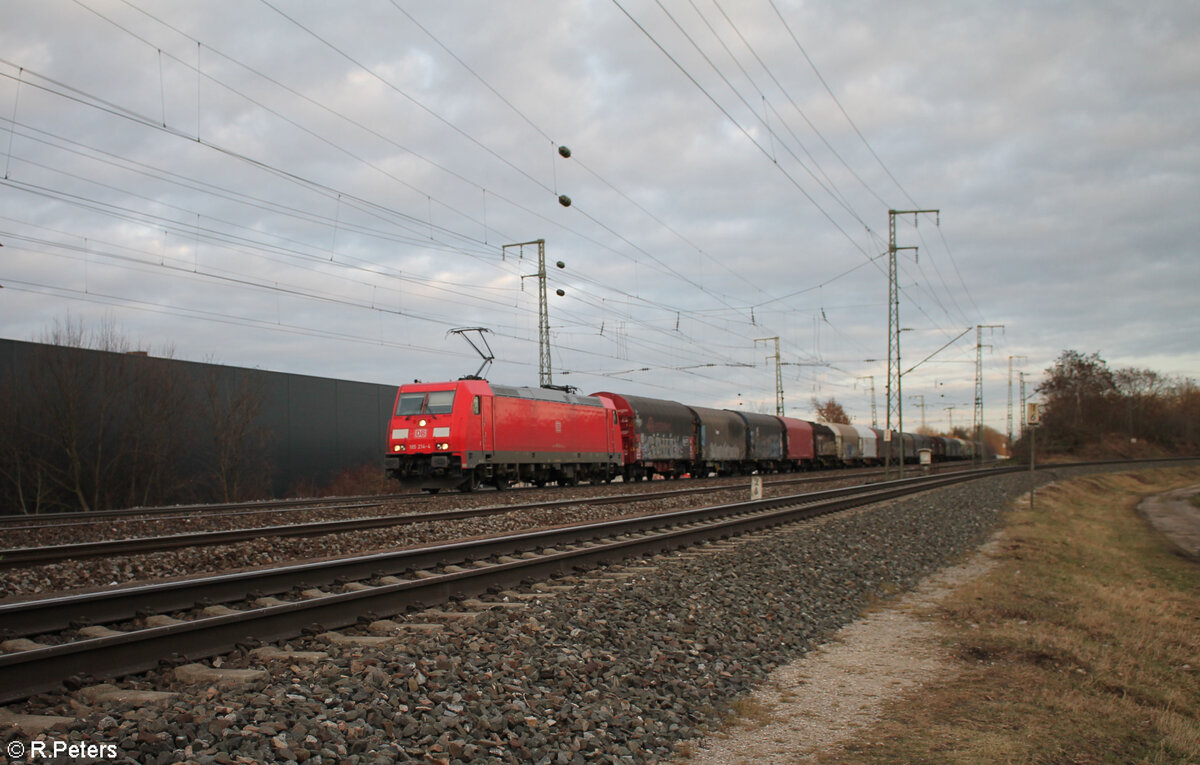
[(28, 672), (264, 506), (48, 554), (44, 615), (36, 556), (229, 509)]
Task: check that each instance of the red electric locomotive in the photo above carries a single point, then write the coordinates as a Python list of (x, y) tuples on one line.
[(468, 433)]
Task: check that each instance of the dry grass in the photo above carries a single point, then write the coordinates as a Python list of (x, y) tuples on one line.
[(748, 712), (1081, 646)]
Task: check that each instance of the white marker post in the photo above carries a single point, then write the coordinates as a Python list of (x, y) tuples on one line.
[(1033, 416)]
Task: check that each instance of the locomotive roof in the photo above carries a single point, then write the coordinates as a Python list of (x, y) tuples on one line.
[(546, 394)]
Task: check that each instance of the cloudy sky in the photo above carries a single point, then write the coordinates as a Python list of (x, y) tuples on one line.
[(328, 188)]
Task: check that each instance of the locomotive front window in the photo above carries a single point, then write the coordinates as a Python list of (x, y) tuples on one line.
[(433, 402), (440, 402), (410, 403)]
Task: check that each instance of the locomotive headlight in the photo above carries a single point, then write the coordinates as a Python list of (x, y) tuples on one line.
[(397, 448), (444, 447), (422, 422)]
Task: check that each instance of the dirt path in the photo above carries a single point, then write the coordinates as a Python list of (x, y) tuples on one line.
[(1174, 515), (813, 705), (830, 695)]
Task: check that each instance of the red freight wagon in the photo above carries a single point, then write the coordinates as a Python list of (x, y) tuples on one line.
[(799, 448), (467, 433)]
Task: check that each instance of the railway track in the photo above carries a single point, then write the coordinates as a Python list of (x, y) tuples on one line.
[(301, 505), (50, 554), (172, 512), (130, 629)]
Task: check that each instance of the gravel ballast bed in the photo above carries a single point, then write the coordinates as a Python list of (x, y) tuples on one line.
[(78, 527), (603, 673), (24, 582)]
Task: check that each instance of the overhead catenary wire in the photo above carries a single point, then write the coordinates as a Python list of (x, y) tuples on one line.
[(342, 53), (742, 128), (648, 312), (575, 159), (122, 112)]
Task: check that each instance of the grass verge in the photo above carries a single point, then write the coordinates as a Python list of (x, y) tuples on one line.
[(1082, 645)]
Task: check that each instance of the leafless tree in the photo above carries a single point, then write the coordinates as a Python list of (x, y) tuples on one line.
[(238, 438), (830, 411), (1087, 405), (87, 430)]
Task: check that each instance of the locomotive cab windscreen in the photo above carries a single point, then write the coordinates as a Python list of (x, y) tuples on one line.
[(422, 421), (425, 402), (433, 426)]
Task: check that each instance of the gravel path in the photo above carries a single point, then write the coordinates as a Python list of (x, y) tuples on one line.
[(827, 697), (1176, 516)]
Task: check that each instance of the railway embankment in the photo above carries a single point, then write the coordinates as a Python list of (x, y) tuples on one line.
[(617, 665), (1069, 637)]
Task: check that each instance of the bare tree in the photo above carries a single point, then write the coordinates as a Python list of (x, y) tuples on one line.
[(1077, 390), (830, 411), (1092, 408), (238, 438), (88, 425), (23, 483)]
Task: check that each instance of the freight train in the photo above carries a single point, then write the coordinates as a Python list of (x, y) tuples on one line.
[(470, 433)]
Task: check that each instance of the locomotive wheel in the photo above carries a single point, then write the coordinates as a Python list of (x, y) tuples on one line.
[(470, 484)]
